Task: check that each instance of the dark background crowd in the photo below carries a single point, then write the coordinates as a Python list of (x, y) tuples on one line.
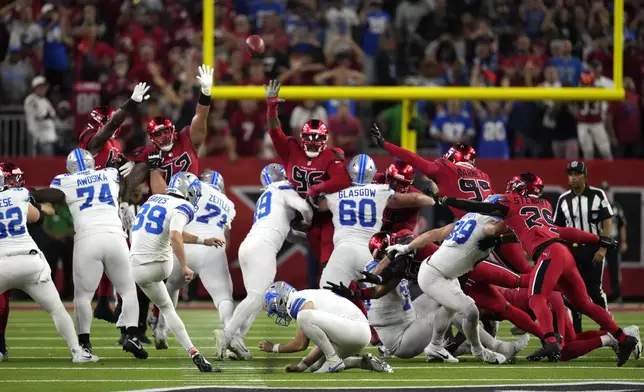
[(117, 43)]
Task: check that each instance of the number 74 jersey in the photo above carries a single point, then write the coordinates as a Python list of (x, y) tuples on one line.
[(92, 197)]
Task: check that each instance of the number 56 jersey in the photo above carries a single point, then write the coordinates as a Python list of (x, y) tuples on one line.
[(459, 252), (357, 212), (215, 214), (92, 197)]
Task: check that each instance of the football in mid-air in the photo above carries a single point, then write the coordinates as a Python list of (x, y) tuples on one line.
[(255, 44)]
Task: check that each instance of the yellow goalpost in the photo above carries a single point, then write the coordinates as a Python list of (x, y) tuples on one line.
[(407, 94)]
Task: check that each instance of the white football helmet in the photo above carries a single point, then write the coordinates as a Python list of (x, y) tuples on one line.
[(187, 186), (79, 160), (362, 169)]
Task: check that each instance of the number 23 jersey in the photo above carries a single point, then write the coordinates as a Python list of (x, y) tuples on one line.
[(357, 212), (92, 197)]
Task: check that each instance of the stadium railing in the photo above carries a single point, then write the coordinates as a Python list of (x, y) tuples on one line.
[(407, 94)]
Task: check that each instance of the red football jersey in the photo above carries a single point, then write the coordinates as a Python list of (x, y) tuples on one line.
[(396, 219), (454, 180), (182, 157), (590, 112), (110, 154), (530, 218)]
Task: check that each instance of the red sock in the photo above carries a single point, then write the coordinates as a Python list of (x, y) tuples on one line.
[(578, 348), (4, 311), (492, 273), (104, 288), (375, 339), (155, 311), (522, 320), (540, 308)]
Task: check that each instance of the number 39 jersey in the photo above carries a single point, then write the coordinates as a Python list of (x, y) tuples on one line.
[(14, 205), (459, 252), (151, 229), (357, 212), (215, 214), (92, 197)]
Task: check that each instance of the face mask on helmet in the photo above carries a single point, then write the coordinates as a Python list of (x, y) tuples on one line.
[(378, 243), (314, 137), (461, 153), (13, 176), (163, 138), (399, 176)]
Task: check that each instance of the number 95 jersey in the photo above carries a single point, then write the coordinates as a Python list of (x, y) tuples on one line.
[(14, 204), (215, 214), (357, 212), (92, 197), (459, 252)]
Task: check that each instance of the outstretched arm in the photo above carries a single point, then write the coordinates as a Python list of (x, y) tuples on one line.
[(49, 195), (338, 178), (280, 141), (198, 128), (572, 234), (409, 200), (484, 208)]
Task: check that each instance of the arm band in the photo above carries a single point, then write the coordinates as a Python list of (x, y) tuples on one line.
[(204, 100), (200, 241), (276, 348)]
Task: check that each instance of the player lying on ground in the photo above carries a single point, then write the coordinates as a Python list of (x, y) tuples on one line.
[(530, 218), (213, 219), (276, 208), (24, 267), (336, 326)]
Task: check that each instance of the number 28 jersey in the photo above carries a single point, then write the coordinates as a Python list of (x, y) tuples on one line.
[(14, 205), (92, 197), (151, 229), (215, 214), (459, 252), (357, 212)]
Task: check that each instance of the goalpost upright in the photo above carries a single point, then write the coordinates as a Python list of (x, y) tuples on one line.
[(407, 94)]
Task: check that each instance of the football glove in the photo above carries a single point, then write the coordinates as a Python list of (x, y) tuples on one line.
[(399, 249), (376, 136), (140, 92), (341, 290), (438, 198), (126, 168), (205, 78), (127, 216), (154, 160), (607, 242), (370, 278), (488, 243)]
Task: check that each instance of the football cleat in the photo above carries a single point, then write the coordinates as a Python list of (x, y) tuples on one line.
[(104, 312), (220, 344), (550, 350), (384, 352), (434, 353), (202, 364), (626, 347), (231, 355), (83, 356), (161, 340), (375, 364), (87, 346), (135, 347), (239, 348), (143, 339), (490, 356), (4, 356), (511, 349), (332, 365), (634, 331)]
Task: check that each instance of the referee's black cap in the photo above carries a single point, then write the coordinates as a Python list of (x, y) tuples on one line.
[(576, 167)]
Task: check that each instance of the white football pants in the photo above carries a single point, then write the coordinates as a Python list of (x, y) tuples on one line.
[(92, 255), (31, 274), (334, 335), (149, 277), (591, 135), (345, 264)]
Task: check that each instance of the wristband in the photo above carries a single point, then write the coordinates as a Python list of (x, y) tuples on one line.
[(302, 366), (201, 241), (366, 293), (204, 100), (276, 348), (271, 107)]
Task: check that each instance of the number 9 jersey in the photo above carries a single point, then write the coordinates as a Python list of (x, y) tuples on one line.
[(92, 197), (215, 214), (14, 204)]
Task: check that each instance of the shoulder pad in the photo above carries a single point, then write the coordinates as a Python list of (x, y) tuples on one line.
[(338, 153)]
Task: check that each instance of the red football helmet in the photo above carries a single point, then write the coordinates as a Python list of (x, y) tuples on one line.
[(399, 176), (461, 153), (314, 136), (403, 237), (162, 133), (13, 175), (99, 117), (378, 243), (525, 184)]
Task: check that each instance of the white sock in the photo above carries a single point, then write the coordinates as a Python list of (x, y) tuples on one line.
[(226, 309), (83, 313), (442, 321), (130, 313), (607, 340), (65, 327), (249, 307)]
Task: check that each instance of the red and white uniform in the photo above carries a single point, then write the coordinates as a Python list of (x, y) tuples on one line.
[(110, 154), (395, 220), (181, 158), (590, 125)]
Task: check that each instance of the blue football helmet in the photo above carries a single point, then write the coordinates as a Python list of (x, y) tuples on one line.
[(275, 300)]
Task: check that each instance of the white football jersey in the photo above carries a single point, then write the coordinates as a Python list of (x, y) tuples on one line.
[(325, 301), (274, 211), (357, 212), (393, 308), (151, 229), (14, 205), (92, 197), (459, 252), (215, 213)]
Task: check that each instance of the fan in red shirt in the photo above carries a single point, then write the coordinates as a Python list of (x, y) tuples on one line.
[(457, 176), (310, 167), (172, 152), (247, 127), (399, 176), (530, 217)]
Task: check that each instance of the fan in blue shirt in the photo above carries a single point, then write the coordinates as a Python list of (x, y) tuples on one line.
[(569, 67), (452, 126), (493, 135), (376, 21), (261, 8)]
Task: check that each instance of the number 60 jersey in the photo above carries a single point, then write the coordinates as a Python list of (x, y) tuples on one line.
[(92, 197)]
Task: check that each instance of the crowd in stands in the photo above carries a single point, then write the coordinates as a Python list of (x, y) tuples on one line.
[(76, 54)]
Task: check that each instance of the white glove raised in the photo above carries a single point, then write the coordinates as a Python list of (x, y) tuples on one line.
[(140, 92), (126, 169), (399, 248), (205, 75), (127, 216)]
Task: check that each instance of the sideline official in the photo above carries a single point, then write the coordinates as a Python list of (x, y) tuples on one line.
[(586, 208)]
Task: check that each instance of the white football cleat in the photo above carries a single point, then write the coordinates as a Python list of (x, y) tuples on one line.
[(239, 348), (332, 365), (511, 349), (438, 353), (634, 331), (490, 356), (4, 356), (384, 352), (376, 364), (83, 356), (220, 344), (161, 339)]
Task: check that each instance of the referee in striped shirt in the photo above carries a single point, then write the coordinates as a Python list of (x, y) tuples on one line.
[(586, 208)]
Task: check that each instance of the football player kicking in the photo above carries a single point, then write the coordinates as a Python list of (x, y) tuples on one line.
[(24, 267), (275, 210), (156, 234), (172, 152), (357, 215), (336, 326), (456, 175), (530, 217), (213, 219), (99, 242)]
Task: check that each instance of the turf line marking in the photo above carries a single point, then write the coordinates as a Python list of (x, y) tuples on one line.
[(147, 368), (216, 379)]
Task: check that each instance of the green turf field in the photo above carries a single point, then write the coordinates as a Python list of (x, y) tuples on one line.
[(39, 360)]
